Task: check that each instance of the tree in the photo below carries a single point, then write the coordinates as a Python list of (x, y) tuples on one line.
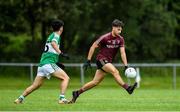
[(151, 27), (157, 31)]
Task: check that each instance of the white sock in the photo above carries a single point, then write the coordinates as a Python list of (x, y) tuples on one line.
[(21, 97), (61, 96)]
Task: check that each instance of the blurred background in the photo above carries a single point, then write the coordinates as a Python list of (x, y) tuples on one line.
[(151, 29), (151, 32)]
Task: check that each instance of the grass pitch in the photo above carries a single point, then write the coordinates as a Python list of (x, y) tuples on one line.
[(97, 99), (101, 98)]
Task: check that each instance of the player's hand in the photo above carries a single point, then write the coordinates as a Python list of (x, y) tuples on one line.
[(60, 65), (64, 55), (87, 64)]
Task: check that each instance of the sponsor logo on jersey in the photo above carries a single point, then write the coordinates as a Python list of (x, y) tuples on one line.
[(112, 46)]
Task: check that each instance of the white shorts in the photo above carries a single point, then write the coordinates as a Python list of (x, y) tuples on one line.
[(47, 69)]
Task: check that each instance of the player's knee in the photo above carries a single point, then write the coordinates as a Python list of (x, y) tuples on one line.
[(115, 72), (66, 78)]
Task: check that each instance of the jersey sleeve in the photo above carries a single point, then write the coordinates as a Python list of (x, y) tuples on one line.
[(56, 38), (100, 40)]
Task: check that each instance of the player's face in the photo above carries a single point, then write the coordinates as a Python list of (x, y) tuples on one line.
[(117, 30), (61, 30)]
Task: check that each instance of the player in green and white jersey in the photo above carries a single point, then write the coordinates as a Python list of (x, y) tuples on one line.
[(48, 67)]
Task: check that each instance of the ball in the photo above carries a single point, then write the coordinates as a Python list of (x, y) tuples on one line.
[(130, 72)]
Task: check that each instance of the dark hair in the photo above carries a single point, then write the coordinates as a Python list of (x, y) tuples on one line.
[(117, 22), (57, 24)]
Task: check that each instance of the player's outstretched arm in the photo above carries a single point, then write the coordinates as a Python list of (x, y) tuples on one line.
[(91, 50), (123, 56), (55, 46)]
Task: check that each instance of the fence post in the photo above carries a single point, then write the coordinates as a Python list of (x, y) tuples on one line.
[(31, 73), (174, 77), (138, 77), (82, 74)]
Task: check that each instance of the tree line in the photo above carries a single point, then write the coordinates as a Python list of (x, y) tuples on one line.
[(151, 28)]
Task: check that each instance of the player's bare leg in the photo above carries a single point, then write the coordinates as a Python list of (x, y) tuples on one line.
[(111, 69), (36, 84), (60, 74), (99, 76)]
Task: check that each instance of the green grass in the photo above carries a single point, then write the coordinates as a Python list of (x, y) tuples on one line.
[(98, 99), (106, 97)]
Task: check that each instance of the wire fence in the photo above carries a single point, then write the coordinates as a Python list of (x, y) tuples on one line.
[(82, 77)]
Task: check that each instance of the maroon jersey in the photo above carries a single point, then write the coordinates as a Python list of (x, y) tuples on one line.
[(109, 46)]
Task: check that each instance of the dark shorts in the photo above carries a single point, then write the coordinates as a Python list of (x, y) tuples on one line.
[(101, 63)]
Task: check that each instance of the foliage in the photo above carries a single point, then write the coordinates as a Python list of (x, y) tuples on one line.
[(151, 27)]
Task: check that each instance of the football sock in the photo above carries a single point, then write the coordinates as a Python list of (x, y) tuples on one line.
[(80, 91), (125, 86), (21, 97), (61, 97)]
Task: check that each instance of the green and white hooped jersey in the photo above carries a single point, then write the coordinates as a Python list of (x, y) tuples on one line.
[(50, 55)]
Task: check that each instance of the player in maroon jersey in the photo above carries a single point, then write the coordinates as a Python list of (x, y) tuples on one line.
[(109, 45)]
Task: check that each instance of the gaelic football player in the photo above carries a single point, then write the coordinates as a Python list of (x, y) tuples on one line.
[(47, 66), (109, 44)]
